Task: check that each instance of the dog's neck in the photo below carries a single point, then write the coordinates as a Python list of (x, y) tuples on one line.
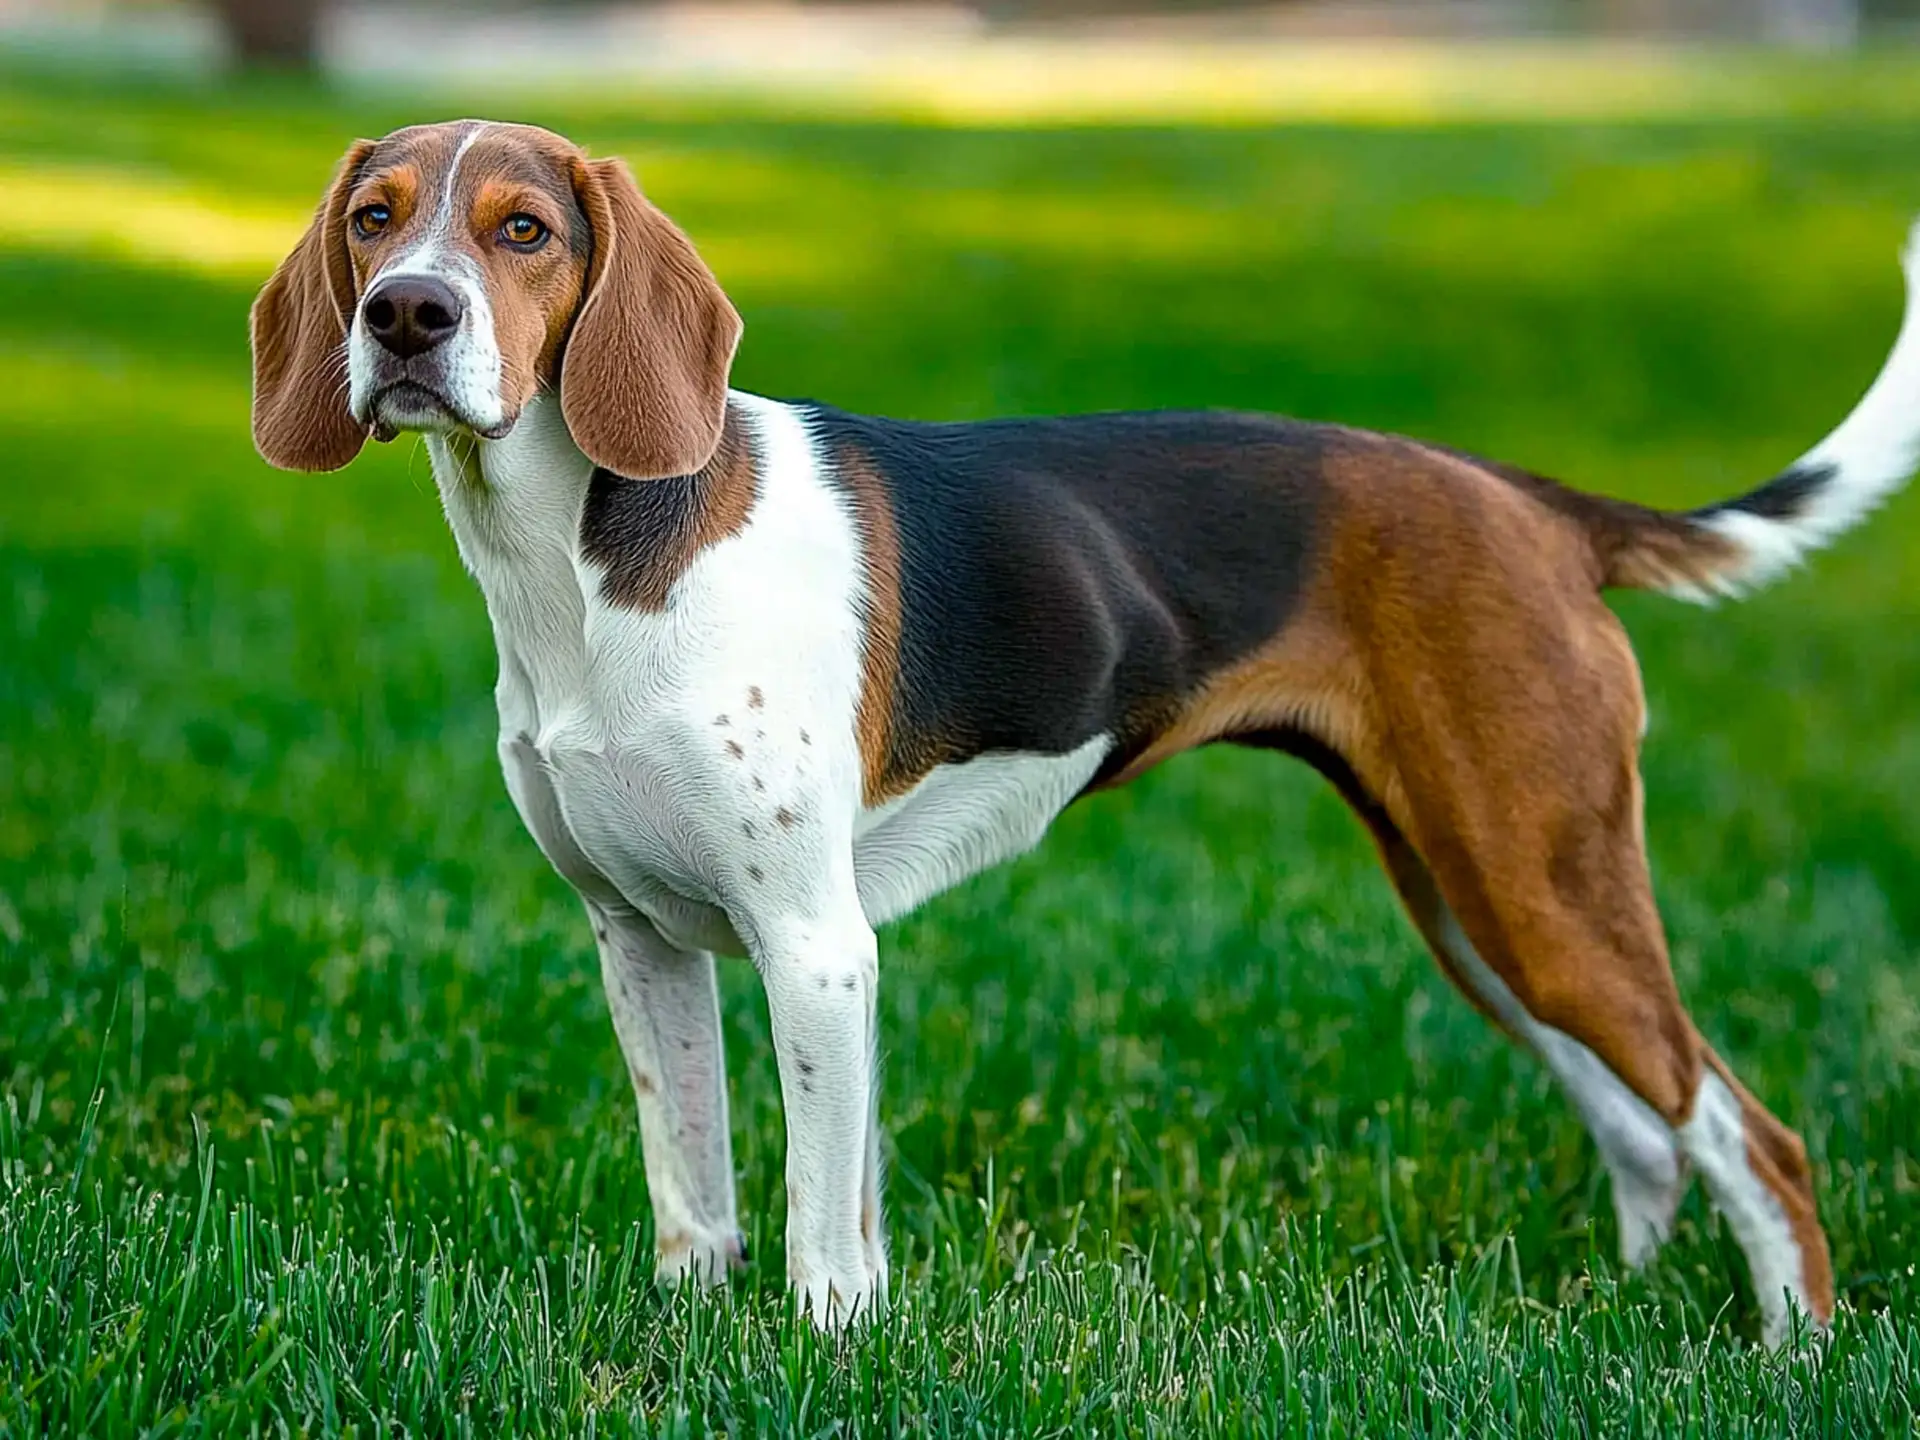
[(514, 507), (536, 521)]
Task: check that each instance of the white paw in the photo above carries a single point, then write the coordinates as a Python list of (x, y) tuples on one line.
[(705, 1258), (1645, 1209), (837, 1300)]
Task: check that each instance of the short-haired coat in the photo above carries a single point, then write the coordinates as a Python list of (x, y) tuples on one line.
[(772, 674)]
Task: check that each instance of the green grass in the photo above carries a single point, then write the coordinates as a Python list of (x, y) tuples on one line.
[(312, 1116)]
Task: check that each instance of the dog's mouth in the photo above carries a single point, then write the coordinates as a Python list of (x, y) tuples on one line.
[(408, 404)]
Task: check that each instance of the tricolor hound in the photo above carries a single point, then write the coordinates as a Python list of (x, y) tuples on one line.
[(772, 674)]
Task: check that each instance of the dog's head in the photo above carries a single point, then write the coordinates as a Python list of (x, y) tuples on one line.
[(453, 271)]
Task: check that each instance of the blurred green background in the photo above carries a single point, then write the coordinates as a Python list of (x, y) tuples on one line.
[(312, 1115)]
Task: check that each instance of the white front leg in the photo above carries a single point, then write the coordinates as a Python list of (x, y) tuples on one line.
[(821, 979), (666, 1011)]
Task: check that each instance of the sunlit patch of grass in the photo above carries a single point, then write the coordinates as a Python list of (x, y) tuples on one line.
[(67, 208), (1032, 81), (1021, 81)]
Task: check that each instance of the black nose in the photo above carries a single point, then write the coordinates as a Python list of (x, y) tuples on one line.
[(410, 314)]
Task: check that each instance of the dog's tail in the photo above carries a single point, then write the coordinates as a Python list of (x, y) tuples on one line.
[(1737, 546)]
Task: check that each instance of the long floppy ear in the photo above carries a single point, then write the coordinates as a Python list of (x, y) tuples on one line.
[(643, 383), (299, 329)]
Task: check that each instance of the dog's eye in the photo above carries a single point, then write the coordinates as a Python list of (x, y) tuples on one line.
[(370, 220), (523, 232)]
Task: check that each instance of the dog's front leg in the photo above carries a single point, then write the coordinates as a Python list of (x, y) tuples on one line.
[(666, 1011), (821, 977)]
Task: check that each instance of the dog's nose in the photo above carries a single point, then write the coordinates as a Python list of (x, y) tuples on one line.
[(411, 314)]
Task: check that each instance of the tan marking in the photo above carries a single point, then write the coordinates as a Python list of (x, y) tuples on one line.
[(398, 188), (880, 651), (408, 172), (532, 296), (496, 199)]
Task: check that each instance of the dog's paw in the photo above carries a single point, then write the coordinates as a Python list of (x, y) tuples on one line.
[(840, 1300), (705, 1259)]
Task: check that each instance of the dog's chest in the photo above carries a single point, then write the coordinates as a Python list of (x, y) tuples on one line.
[(700, 761), (708, 790), (696, 762)]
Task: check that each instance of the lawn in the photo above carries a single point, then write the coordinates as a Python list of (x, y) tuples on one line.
[(312, 1115)]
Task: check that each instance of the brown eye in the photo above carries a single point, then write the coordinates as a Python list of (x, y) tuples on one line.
[(523, 232), (370, 220)]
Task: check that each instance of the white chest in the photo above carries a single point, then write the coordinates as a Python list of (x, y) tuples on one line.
[(699, 763)]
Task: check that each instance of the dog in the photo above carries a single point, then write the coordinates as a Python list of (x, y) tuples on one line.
[(772, 674)]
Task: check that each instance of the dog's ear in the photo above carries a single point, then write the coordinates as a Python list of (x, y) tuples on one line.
[(299, 330), (643, 382)]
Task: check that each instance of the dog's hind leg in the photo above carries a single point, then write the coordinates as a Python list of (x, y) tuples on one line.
[(1517, 841), (1642, 1155), (1640, 1150)]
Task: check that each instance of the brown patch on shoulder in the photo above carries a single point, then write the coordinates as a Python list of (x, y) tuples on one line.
[(645, 533), (880, 661)]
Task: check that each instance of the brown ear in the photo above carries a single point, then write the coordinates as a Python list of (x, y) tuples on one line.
[(299, 329), (643, 384)]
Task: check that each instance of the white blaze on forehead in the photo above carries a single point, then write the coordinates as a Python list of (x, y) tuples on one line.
[(421, 257), (443, 216)]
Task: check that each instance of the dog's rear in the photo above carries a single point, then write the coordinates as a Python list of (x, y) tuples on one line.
[(1456, 672)]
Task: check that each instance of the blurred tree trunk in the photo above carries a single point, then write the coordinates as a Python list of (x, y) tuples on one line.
[(273, 34)]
